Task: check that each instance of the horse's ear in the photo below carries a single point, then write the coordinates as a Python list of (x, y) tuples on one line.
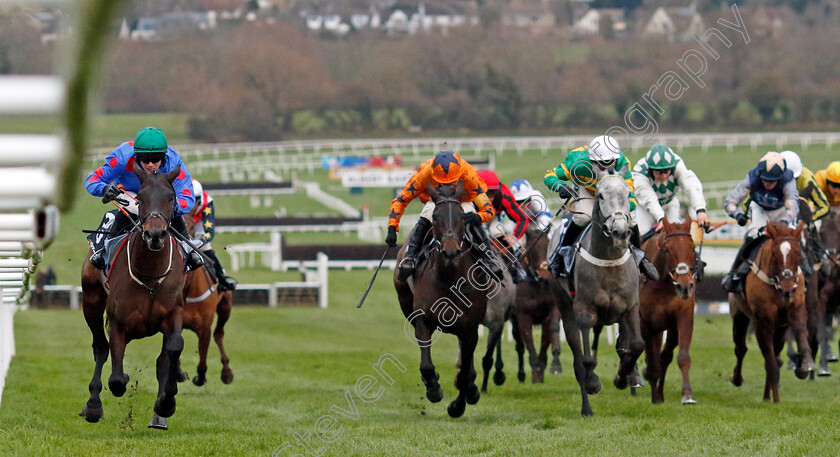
[(432, 192), (139, 171), (798, 230), (459, 190), (666, 226), (770, 230), (172, 175)]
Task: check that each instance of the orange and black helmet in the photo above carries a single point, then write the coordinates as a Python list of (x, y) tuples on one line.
[(446, 167)]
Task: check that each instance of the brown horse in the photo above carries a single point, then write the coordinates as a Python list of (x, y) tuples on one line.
[(203, 301), (535, 305), (669, 305), (774, 299), (142, 296), (449, 292)]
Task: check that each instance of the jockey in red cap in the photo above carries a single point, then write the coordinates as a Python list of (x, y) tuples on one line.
[(504, 202)]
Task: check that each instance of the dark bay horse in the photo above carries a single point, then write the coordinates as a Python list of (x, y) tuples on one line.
[(449, 293), (202, 302), (606, 284), (774, 299), (535, 305), (142, 296), (668, 305)]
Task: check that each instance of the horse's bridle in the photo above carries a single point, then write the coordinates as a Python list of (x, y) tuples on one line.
[(786, 273), (682, 268), (438, 243)]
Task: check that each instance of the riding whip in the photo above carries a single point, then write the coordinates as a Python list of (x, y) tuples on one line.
[(374, 277)]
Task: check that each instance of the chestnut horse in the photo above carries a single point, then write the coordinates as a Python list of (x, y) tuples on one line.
[(203, 301), (774, 299), (535, 305), (668, 304), (449, 293), (143, 295)]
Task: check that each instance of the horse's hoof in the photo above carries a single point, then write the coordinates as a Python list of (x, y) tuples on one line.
[(688, 400), (620, 382), (537, 377), (636, 381), (183, 376), (199, 381), (736, 381), (831, 357), (499, 378), (227, 376), (158, 423), (521, 376), (556, 367), (117, 385), (473, 395), (456, 408), (435, 396), (92, 415), (586, 412), (824, 372), (593, 386), (164, 408), (791, 365)]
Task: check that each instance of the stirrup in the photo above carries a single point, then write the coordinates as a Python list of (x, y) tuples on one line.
[(194, 260), (226, 283)]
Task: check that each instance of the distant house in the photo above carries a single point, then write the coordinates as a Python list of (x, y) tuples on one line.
[(429, 16), (590, 22), (153, 28), (678, 24), (531, 15)]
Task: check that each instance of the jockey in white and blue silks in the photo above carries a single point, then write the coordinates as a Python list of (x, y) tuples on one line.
[(771, 189), (151, 150), (532, 203)]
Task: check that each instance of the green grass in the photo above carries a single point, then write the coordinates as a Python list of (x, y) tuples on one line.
[(293, 364)]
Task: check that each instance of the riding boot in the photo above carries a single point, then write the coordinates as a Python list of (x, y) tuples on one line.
[(412, 250), (486, 252), (225, 282), (805, 264), (194, 259), (644, 264), (740, 268), (97, 259), (563, 250)]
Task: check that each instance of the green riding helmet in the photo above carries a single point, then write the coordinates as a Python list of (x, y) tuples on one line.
[(150, 144), (661, 157)]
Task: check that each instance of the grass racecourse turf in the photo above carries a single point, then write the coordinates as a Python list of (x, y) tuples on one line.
[(293, 364)]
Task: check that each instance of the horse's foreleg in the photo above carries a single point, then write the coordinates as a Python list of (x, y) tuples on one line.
[(554, 326), (520, 348), (167, 366), (118, 380), (526, 327), (200, 378), (764, 336), (798, 324), (223, 313), (545, 343), (653, 370), (94, 309), (573, 338), (740, 323), (467, 390), (423, 334), (499, 375), (629, 346), (685, 331), (591, 381)]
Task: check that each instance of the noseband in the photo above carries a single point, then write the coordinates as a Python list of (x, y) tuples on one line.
[(157, 214)]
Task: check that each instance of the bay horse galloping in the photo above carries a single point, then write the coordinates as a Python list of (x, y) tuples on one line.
[(774, 299), (606, 284), (203, 301), (143, 295), (449, 293), (668, 304), (535, 305)]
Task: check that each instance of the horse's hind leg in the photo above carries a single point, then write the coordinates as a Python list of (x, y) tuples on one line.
[(520, 349), (526, 330), (740, 323), (499, 374), (118, 380), (554, 328), (629, 347), (467, 390), (764, 336), (93, 304), (223, 313)]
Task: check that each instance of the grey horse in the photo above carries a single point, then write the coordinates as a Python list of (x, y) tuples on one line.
[(606, 285)]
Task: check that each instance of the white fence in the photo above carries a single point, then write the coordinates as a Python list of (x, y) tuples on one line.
[(28, 166)]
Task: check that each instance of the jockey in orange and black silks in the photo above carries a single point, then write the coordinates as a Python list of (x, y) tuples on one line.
[(446, 168)]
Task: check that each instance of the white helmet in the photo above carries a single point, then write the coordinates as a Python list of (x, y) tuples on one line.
[(521, 190), (604, 148), (197, 189), (793, 162)]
